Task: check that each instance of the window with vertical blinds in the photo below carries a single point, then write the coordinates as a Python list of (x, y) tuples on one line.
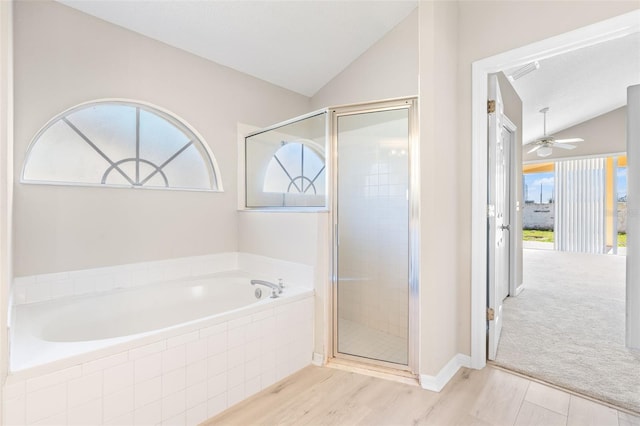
[(580, 205)]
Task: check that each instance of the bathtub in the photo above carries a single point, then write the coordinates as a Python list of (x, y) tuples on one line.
[(177, 351), (69, 329)]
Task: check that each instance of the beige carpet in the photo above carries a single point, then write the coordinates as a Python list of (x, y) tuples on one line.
[(567, 326)]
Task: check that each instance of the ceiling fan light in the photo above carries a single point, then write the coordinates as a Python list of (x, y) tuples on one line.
[(545, 151)]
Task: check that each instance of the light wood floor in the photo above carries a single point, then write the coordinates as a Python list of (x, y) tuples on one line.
[(327, 396)]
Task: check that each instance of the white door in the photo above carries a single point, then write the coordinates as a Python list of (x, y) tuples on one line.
[(503, 205), (498, 215)]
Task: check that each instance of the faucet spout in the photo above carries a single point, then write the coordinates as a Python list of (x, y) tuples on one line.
[(276, 290)]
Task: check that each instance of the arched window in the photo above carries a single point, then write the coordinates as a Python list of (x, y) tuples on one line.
[(296, 168), (120, 143)]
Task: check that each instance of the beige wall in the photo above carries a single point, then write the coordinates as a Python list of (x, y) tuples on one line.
[(284, 235), (6, 175), (604, 134), (440, 310), (389, 69), (486, 29), (64, 57)]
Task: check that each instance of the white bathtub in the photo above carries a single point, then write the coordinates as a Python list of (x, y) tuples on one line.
[(183, 340), (47, 332)]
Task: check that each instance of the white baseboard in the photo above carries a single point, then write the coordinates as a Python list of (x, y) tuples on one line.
[(519, 289), (317, 359), (437, 382)]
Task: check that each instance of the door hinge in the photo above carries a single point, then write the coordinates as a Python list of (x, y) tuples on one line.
[(490, 314), (491, 106)]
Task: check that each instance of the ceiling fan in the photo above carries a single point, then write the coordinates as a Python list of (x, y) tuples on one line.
[(543, 146)]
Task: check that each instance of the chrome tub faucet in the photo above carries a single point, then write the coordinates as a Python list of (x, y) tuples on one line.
[(276, 289)]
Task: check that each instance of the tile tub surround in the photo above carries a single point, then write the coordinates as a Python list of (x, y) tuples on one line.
[(178, 376), (43, 287), (183, 379), (61, 333)]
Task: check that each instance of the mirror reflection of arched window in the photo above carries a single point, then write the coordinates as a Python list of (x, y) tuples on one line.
[(295, 168), (120, 143)]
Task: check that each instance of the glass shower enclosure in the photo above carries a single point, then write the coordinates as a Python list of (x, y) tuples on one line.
[(355, 161), (372, 219)]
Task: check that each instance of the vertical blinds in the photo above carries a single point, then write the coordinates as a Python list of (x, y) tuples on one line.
[(580, 205)]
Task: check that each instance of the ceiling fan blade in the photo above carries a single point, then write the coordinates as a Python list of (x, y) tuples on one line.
[(534, 149), (570, 140), (563, 146)]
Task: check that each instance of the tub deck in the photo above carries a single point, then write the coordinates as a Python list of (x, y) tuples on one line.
[(65, 331)]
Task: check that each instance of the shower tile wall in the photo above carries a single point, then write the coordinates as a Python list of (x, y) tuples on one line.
[(371, 293)]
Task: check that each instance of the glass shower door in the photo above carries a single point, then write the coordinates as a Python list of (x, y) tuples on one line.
[(372, 236)]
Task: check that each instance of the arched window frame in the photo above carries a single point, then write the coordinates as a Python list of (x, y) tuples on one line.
[(310, 145), (169, 116)]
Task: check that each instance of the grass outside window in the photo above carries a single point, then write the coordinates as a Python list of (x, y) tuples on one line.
[(537, 235), (547, 236)]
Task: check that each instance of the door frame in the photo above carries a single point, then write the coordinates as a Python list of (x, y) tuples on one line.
[(596, 33), (411, 104)]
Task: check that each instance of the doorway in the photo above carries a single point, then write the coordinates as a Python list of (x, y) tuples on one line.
[(560, 284), (374, 275), (602, 31)]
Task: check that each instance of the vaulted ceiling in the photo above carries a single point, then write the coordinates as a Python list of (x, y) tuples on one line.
[(300, 45), (578, 85)]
